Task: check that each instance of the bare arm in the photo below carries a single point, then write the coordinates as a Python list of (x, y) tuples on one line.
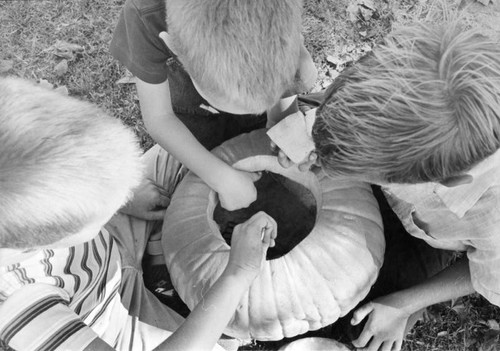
[(388, 315), (207, 321), (235, 188)]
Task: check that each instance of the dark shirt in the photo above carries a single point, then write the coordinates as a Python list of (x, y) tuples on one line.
[(137, 45)]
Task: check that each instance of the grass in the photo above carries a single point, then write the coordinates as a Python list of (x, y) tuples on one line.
[(29, 36)]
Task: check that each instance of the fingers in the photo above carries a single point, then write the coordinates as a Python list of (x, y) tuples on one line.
[(363, 339), (283, 160), (306, 165), (366, 335), (269, 231), (263, 225), (387, 346), (361, 313), (274, 147), (374, 345), (254, 176)]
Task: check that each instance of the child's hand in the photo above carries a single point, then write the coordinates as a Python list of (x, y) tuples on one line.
[(236, 190), (285, 162), (249, 245), (385, 327), (149, 202)]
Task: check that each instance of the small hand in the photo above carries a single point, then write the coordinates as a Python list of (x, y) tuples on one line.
[(249, 244), (236, 189), (149, 202), (385, 327)]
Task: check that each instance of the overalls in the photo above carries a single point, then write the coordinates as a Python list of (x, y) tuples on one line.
[(209, 126)]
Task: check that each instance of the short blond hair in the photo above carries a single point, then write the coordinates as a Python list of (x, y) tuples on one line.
[(423, 106), (64, 163), (243, 50)]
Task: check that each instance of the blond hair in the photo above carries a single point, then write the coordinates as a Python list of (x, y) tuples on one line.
[(242, 50), (64, 163), (423, 106)]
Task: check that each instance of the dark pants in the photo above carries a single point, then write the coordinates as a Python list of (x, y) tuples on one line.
[(408, 261), (212, 130)]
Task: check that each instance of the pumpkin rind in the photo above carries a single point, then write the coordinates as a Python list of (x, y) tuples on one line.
[(321, 279)]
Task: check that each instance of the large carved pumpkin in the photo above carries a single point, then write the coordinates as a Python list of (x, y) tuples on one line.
[(321, 279)]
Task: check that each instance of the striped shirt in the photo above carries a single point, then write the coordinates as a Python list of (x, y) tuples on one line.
[(61, 298), (464, 218)]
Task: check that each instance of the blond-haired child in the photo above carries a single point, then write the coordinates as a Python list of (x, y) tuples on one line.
[(222, 64), (420, 116), (70, 270)]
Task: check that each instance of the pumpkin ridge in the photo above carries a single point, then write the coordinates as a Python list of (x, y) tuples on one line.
[(312, 285)]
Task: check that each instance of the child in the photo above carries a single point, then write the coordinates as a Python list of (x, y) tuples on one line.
[(220, 62), (67, 282), (420, 116)]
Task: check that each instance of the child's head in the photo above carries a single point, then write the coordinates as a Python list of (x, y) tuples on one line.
[(239, 53), (64, 165), (423, 106)]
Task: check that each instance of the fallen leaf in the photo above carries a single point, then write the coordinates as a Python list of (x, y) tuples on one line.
[(61, 68), (6, 65), (352, 11), (459, 308), (493, 324), (333, 73), (66, 50), (367, 14), (334, 60), (366, 48), (368, 4)]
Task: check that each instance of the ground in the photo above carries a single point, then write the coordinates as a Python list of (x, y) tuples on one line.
[(66, 43)]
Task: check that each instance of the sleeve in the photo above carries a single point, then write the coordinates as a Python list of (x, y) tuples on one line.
[(137, 45), (483, 250), (37, 317), (484, 264)]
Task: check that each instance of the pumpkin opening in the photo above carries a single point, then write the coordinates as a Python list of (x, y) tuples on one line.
[(292, 205)]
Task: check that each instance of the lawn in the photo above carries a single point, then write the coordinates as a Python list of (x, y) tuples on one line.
[(65, 42)]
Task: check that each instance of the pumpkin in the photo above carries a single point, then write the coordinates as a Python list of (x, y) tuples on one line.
[(321, 279)]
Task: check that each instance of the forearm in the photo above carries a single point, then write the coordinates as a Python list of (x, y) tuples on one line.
[(176, 138), (453, 282), (207, 321), (172, 135)]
